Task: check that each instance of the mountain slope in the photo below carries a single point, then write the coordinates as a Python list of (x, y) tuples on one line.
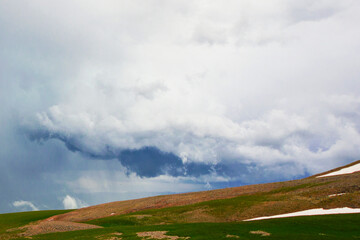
[(222, 205), (286, 196)]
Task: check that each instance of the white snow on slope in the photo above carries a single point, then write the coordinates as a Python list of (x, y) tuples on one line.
[(337, 194), (348, 170), (311, 212)]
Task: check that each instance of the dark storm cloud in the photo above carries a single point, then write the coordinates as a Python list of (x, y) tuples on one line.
[(145, 162), (149, 162)]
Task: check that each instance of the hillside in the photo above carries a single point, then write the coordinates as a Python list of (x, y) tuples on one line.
[(230, 205), (270, 198)]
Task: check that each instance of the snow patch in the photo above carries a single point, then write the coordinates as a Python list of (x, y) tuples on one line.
[(337, 194), (348, 170), (311, 212)]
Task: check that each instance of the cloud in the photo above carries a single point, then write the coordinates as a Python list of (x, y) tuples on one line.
[(72, 203), (241, 92), (201, 147), (202, 104), (25, 204)]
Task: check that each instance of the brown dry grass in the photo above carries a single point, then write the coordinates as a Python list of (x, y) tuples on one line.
[(110, 236), (43, 227), (232, 236), (158, 235), (262, 233), (124, 207), (290, 196), (316, 194), (198, 215)]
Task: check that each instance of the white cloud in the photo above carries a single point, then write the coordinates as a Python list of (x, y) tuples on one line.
[(268, 82), (25, 204), (72, 203), (257, 100)]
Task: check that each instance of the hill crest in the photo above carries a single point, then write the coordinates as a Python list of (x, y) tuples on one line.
[(165, 201), (225, 205)]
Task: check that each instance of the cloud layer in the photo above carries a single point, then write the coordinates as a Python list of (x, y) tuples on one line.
[(198, 92), (255, 86)]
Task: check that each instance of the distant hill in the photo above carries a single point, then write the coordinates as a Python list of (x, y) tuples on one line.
[(338, 188), (270, 198)]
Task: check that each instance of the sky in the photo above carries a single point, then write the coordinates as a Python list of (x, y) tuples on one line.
[(112, 100)]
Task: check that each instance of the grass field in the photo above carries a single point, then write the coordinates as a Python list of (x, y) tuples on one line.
[(314, 227), (344, 226), (15, 220)]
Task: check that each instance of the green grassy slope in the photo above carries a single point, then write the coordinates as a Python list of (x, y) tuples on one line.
[(216, 214), (15, 220), (287, 199), (271, 198), (313, 227)]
